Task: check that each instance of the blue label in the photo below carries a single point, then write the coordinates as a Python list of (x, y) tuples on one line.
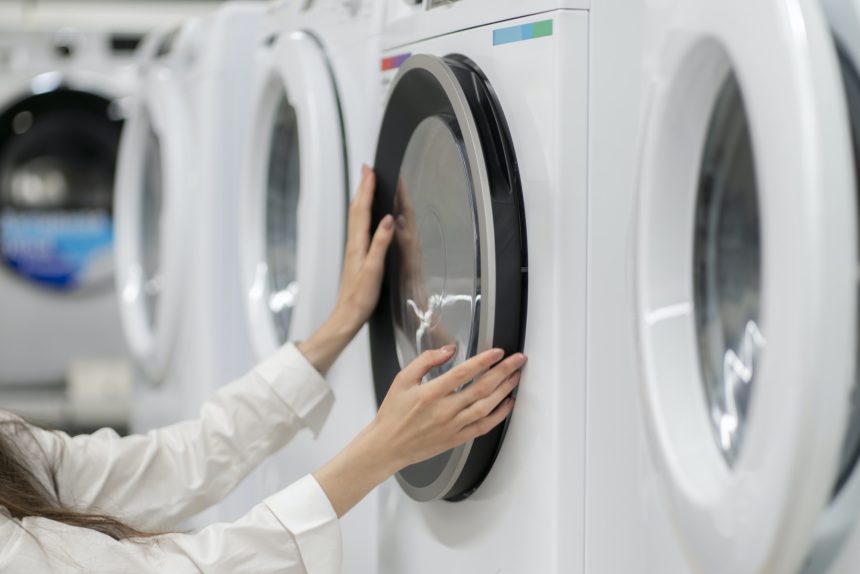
[(63, 250)]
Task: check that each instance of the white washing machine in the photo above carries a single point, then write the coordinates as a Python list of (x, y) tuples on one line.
[(179, 249), (720, 437), (61, 115), (179, 254), (314, 125), (482, 158), (157, 193)]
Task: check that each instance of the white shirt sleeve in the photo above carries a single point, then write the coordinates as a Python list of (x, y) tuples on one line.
[(293, 532), (155, 481)]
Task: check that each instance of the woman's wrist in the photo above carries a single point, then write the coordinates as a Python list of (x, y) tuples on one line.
[(359, 468), (324, 347)]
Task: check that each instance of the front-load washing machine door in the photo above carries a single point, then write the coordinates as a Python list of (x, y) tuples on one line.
[(57, 161), (294, 209), (456, 272), (154, 186), (843, 510), (745, 277)]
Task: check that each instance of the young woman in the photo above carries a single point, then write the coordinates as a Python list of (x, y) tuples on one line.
[(105, 504)]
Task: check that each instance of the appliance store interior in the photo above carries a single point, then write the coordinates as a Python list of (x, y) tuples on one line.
[(423, 286)]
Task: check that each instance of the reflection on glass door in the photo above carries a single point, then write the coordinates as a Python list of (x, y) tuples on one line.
[(282, 200), (727, 270)]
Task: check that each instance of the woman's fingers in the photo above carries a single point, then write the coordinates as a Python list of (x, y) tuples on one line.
[(358, 225), (484, 425), (489, 381), (424, 363), (375, 261), (466, 371), (487, 404)]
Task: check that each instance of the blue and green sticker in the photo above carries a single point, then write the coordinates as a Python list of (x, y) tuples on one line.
[(522, 32)]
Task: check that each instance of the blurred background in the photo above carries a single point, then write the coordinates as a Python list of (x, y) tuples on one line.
[(67, 69)]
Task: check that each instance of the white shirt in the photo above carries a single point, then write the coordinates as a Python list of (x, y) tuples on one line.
[(156, 481)]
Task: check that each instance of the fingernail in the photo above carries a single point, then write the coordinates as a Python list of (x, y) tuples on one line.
[(388, 222), (448, 349), (365, 169), (497, 354)]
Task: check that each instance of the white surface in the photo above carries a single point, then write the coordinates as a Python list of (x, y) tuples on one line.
[(528, 514), (125, 16), (837, 541)]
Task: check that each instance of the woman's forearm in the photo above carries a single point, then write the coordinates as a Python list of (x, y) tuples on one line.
[(355, 471)]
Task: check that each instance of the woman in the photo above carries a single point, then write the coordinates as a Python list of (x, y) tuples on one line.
[(105, 504)]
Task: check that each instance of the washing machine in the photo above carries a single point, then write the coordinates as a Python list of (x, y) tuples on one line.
[(722, 318), (157, 191), (313, 128), (180, 189), (61, 114), (482, 159)]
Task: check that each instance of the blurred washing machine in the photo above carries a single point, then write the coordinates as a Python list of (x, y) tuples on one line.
[(482, 159), (180, 189), (180, 196), (313, 127), (157, 192), (61, 114), (726, 427)]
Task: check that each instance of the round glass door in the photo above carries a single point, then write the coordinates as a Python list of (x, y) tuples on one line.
[(57, 161), (152, 196), (438, 271), (456, 200), (727, 271), (282, 202)]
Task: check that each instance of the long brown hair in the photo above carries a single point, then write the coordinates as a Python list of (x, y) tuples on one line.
[(25, 495)]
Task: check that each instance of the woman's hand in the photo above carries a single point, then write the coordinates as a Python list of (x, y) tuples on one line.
[(364, 264), (417, 421)]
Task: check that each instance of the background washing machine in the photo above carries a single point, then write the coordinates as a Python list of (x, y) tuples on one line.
[(157, 191), (718, 439), (484, 136), (61, 114), (314, 126), (180, 287)]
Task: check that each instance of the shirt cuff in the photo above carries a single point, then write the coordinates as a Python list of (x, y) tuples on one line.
[(299, 385), (304, 509)]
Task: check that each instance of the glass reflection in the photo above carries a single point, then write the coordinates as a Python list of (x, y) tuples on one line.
[(727, 271), (282, 200), (437, 292), (151, 227)]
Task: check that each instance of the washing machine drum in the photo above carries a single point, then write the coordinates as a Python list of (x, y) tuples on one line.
[(457, 270), (57, 162)]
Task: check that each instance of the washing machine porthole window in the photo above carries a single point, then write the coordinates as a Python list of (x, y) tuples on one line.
[(457, 270), (57, 162), (283, 185), (152, 198), (438, 286), (727, 270)]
